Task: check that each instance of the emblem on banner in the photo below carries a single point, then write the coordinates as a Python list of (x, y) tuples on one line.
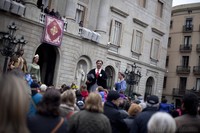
[(53, 31)]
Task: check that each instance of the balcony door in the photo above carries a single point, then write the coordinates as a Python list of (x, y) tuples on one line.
[(198, 84), (182, 85), (188, 22), (185, 61), (187, 40)]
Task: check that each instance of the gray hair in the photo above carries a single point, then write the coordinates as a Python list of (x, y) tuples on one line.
[(161, 122)]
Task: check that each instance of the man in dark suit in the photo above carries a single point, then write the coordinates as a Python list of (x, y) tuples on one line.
[(96, 77)]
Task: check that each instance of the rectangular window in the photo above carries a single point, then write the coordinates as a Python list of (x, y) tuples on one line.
[(155, 49), (167, 61), (188, 22), (185, 61), (142, 3), (197, 84), (169, 42), (165, 82), (80, 13), (137, 43), (171, 24), (159, 9), (182, 84), (187, 40), (116, 29)]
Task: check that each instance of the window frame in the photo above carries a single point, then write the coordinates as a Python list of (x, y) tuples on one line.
[(134, 46)]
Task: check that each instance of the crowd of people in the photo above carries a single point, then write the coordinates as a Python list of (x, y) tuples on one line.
[(30, 106)]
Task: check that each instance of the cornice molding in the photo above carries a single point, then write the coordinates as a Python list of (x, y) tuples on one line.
[(118, 11), (157, 31), (139, 22)]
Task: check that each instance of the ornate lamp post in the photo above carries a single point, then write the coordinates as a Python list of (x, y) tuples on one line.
[(132, 77), (9, 43)]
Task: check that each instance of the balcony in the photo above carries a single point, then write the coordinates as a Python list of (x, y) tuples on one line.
[(185, 48), (183, 69), (177, 92), (198, 48), (196, 70), (187, 28)]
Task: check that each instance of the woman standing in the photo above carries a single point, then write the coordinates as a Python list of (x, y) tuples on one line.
[(14, 103), (34, 68), (92, 119)]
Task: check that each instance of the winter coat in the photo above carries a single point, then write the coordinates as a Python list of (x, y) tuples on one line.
[(140, 122), (117, 123), (89, 122)]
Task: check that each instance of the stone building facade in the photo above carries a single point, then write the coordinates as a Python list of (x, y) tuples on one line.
[(183, 58), (127, 32)]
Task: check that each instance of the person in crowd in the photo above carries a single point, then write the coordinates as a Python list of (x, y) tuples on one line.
[(48, 118), (35, 98), (52, 13), (123, 102), (84, 92), (133, 111), (79, 100), (96, 77), (68, 104), (112, 112), (121, 84), (92, 119), (190, 121), (174, 113), (34, 69), (14, 103), (161, 122), (43, 89), (164, 106), (103, 93), (139, 124), (46, 10)]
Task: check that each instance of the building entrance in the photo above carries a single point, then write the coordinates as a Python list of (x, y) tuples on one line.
[(47, 61)]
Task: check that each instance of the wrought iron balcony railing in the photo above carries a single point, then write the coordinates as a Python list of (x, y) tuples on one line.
[(198, 48), (188, 28), (196, 70), (185, 48), (181, 92), (183, 69)]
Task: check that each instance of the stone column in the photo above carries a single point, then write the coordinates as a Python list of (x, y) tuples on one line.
[(32, 11), (103, 16), (70, 10)]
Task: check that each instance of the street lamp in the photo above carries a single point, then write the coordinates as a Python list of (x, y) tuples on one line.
[(132, 78), (9, 43)]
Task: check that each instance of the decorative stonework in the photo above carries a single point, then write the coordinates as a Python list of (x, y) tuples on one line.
[(157, 31), (139, 22), (118, 11)]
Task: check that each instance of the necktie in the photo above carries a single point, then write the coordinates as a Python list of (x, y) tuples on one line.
[(97, 74)]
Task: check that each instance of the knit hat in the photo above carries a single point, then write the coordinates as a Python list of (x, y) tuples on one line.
[(113, 95), (152, 100)]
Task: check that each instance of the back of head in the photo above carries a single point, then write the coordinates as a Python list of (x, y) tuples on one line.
[(50, 103), (93, 103), (14, 103), (161, 122), (190, 103), (153, 101), (68, 97), (134, 109), (113, 95)]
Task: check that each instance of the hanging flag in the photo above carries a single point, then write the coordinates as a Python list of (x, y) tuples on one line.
[(53, 31)]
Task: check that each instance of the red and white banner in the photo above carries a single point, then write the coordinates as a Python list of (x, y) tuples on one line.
[(53, 31)]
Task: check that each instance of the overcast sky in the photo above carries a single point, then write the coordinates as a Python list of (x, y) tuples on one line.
[(180, 2)]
